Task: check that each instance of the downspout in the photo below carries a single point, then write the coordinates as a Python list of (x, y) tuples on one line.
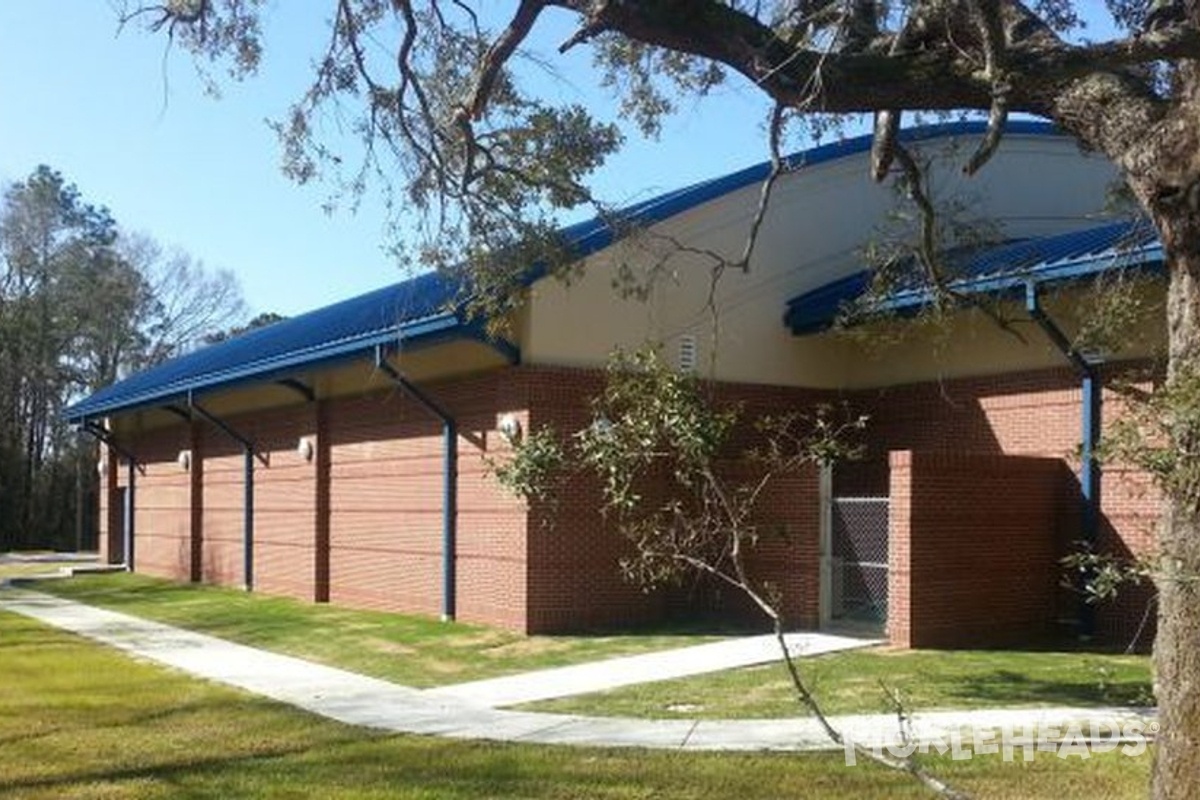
[(106, 437), (449, 477), (1090, 386), (247, 487)]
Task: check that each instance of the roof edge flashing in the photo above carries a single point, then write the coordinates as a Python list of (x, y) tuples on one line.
[(818, 310), (267, 370)]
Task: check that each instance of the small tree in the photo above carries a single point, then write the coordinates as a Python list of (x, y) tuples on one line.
[(676, 486)]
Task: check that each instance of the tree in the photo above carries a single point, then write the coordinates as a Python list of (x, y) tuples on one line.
[(186, 303), (55, 250), (445, 114), (80, 307)]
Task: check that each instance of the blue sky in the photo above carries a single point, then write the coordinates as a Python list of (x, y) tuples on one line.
[(133, 128), (138, 134)]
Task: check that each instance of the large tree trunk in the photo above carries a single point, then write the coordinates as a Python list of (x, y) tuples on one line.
[(1177, 646)]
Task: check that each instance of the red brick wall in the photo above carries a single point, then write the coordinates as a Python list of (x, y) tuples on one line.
[(109, 529), (1033, 414), (786, 557), (359, 524), (161, 503), (386, 498), (222, 466), (378, 522), (285, 514), (548, 569), (202, 507), (385, 504), (973, 548), (575, 579), (379, 458)]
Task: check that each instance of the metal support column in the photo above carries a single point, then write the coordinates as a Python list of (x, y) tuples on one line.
[(1090, 413), (248, 456), (105, 436), (449, 477), (129, 522)]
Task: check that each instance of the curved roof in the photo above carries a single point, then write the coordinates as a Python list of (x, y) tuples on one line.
[(596, 234), (427, 306), (993, 270)]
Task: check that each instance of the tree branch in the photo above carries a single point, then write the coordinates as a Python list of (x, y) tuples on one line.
[(988, 17), (932, 78), (499, 53)]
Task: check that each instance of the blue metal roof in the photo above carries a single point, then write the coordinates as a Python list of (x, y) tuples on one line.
[(426, 306), (596, 234), (414, 309), (999, 269)]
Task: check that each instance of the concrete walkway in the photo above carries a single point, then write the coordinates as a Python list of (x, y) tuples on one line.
[(47, 556), (612, 673), (53, 565), (358, 700)]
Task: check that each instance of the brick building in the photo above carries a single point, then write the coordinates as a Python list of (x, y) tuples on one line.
[(340, 455)]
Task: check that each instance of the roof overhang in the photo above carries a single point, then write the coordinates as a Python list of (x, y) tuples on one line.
[(418, 334), (1002, 271)]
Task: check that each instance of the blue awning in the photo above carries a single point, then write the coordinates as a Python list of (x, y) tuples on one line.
[(996, 270)]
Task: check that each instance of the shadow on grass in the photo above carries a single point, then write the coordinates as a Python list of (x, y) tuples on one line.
[(417, 767), (1009, 687)]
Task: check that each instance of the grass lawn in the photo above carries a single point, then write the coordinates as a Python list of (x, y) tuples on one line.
[(410, 650), (850, 682), (78, 720), (421, 652)]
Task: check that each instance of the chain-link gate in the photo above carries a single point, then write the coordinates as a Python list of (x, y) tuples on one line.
[(859, 559)]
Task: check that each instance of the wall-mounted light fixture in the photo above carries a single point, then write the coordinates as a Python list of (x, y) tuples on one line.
[(602, 426), (305, 448), (510, 428), (185, 460)]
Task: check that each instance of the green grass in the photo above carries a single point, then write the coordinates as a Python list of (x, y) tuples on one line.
[(851, 682), (410, 650), (422, 652), (78, 720)]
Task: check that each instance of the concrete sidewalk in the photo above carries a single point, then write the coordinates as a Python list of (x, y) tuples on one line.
[(369, 702), (598, 676), (43, 556), (51, 564)]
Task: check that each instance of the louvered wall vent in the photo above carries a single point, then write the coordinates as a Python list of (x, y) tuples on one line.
[(687, 353)]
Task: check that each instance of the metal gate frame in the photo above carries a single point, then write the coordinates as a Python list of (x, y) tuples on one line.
[(833, 569)]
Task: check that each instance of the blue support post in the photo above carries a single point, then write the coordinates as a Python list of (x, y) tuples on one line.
[(449, 517), (449, 479), (248, 516), (129, 510), (103, 435), (1090, 413), (1088, 474), (1089, 482), (247, 488)]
